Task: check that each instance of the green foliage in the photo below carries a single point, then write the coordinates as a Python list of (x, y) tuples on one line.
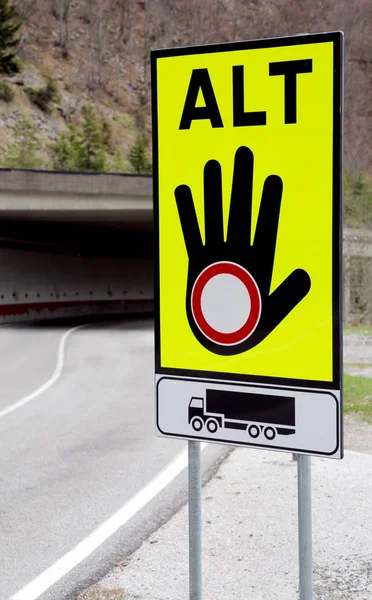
[(358, 201), (9, 64), (65, 151), (84, 148), (91, 142), (45, 96), (139, 157), (127, 121), (106, 131), (358, 395), (88, 147), (23, 154), (6, 92), (118, 163)]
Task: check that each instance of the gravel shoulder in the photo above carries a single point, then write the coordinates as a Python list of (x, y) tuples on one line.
[(250, 513), (250, 535), (358, 434)]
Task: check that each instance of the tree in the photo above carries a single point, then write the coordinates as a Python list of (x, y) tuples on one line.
[(62, 12), (23, 153), (84, 148), (139, 157), (91, 154), (118, 163), (9, 64), (65, 151)]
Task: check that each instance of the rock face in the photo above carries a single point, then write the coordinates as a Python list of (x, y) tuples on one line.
[(100, 53), (62, 113)]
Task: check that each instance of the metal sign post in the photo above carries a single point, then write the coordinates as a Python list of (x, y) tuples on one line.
[(304, 527), (195, 526)]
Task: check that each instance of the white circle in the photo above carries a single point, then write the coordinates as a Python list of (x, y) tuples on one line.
[(225, 303)]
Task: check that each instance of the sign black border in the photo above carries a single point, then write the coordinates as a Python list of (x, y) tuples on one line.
[(336, 37)]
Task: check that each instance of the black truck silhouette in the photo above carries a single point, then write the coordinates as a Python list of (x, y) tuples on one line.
[(256, 413)]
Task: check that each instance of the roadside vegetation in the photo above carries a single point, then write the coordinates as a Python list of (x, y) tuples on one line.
[(358, 201), (357, 388), (358, 396), (358, 330)]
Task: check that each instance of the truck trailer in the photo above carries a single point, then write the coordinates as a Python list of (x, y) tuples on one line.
[(258, 414)]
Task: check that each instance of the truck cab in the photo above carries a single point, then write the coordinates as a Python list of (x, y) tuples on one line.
[(198, 418)]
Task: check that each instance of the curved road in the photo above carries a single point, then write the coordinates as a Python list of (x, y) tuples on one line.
[(79, 450)]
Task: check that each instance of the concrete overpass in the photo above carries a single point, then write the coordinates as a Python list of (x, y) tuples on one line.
[(77, 197), (74, 243)]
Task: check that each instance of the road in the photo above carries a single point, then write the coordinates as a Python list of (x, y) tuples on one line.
[(77, 450)]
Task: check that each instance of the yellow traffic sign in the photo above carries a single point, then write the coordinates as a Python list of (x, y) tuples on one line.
[(247, 191)]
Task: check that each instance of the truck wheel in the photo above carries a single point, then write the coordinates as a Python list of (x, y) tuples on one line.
[(270, 433), (197, 424), (212, 425), (254, 431)]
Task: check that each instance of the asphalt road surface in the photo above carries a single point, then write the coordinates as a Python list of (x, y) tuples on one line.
[(78, 446)]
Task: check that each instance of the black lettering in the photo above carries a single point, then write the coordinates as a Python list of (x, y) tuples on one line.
[(200, 80), (241, 118), (290, 69)]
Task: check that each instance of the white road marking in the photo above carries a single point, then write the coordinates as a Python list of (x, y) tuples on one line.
[(51, 381), (69, 561)]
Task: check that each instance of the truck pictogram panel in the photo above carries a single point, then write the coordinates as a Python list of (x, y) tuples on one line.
[(260, 414)]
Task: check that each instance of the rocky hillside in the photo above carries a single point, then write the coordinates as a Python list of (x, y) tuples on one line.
[(97, 52)]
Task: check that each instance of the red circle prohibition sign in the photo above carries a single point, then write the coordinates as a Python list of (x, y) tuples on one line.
[(253, 317)]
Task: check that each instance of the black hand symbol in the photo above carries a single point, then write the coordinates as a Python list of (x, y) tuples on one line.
[(251, 264)]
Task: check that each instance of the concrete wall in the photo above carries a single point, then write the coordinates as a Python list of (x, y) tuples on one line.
[(43, 284)]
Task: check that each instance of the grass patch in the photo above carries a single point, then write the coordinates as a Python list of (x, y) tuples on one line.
[(358, 396), (362, 365), (358, 330)]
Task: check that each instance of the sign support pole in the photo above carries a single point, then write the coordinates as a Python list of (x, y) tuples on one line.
[(195, 525), (305, 527)]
